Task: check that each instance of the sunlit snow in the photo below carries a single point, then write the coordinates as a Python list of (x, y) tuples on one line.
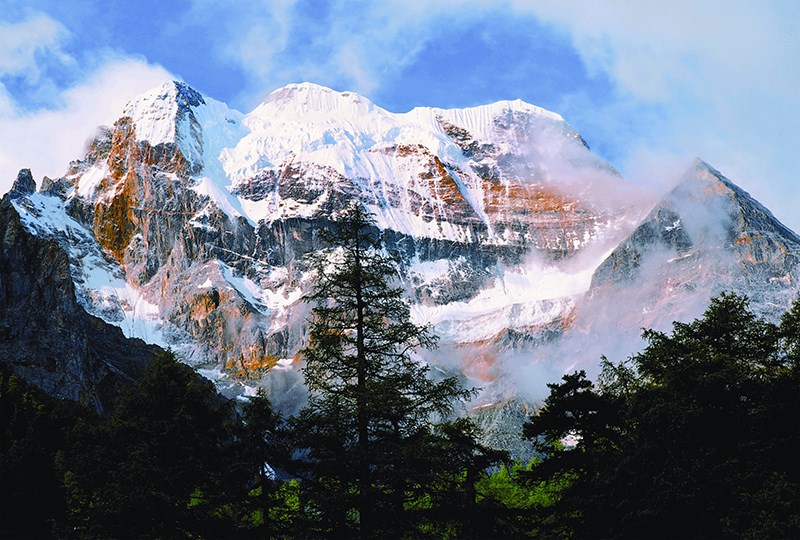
[(397, 162), (100, 285)]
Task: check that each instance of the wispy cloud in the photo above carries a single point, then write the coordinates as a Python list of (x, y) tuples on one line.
[(30, 49), (723, 76), (358, 45), (21, 43), (46, 138)]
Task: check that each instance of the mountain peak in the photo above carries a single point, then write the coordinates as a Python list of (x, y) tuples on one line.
[(702, 182), (518, 105), (168, 95), (704, 191), (699, 163), (24, 184), (185, 95), (308, 97), (165, 115), (303, 87)]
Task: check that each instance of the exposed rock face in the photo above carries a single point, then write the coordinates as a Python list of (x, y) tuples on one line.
[(707, 236), (23, 185), (45, 335)]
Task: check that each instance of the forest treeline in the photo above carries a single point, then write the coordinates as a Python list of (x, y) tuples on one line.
[(697, 436)]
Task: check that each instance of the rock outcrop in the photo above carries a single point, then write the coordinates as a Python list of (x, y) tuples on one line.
[(23, 185), (46, 336)]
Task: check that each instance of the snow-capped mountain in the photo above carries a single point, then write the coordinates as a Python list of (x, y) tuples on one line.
[(704, 237), (187, 222)]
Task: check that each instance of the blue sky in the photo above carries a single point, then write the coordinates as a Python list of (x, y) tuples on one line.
[(650, 85)]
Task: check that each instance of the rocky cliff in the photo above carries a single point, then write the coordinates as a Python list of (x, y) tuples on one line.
[(45, 335)]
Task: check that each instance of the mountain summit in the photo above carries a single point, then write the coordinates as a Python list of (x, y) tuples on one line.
[(186, 224)]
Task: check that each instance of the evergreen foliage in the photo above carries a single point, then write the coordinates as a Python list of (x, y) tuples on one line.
[(159, 467), (172, 461), (697, 436), (367, 427), (268, 506), (34, 432)]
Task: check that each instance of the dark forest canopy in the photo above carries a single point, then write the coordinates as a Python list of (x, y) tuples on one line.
[(697, 436)]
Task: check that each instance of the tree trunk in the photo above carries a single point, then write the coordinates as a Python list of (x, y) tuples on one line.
[(364, 510)]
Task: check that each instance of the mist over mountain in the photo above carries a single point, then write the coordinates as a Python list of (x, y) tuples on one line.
[(186, 225)]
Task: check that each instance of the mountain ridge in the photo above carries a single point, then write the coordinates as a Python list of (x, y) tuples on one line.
[(187, 224), (46, 336)]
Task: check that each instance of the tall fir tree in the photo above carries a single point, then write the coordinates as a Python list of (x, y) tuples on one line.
[(369, 415)]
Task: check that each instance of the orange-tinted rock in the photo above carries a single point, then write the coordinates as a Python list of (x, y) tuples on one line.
[(115, 222)]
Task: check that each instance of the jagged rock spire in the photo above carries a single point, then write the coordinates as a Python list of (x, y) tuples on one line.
[(23, 185)]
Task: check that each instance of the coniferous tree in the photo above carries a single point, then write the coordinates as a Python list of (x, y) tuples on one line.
[(696, 436), (33, 431), (166, 469), (368, 418), (459, 509), (173, 460), (263, 448)]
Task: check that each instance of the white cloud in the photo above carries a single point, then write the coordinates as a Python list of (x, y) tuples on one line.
[(47, 140), (46, 133), (262, 36), (352, 45), (723, 73), (253, 36), (7, 106), (21, 43)]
